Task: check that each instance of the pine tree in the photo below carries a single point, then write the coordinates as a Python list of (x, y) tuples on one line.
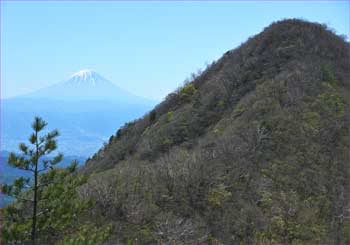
[(30, 159)]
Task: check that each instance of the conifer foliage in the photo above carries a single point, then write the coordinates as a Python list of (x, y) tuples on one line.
[(30, 160)]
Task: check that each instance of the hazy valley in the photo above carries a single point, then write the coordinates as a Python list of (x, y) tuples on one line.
[(87, 109)]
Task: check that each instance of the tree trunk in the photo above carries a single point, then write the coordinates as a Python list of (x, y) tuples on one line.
[(35, 191)]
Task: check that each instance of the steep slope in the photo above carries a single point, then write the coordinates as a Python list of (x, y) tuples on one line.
[(293, 51), (255, 149)]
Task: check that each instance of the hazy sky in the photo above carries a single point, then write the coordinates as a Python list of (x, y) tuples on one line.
[(147, 47)]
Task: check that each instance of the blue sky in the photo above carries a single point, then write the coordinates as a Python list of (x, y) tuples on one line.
[(148, 47)]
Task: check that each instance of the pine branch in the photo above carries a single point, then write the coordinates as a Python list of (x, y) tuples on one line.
[(22, 199)]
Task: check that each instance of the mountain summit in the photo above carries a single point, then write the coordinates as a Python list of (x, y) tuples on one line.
[(84, 73), (87, 84), (87, 76)]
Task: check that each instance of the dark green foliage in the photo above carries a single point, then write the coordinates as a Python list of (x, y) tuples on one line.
[(59, 209), (30, 161), (47, 205), (152, 116), (89, 234)]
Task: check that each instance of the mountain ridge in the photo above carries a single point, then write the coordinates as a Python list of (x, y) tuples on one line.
[(242, 144), (281, 56)]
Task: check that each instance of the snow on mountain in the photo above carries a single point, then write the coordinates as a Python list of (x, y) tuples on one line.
[(87, 78), (87, 84)]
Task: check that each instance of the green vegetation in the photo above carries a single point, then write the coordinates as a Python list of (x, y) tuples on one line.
[(43, 205), (254, 149), (42, 145)]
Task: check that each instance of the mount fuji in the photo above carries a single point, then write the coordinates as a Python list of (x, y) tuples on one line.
[(87, 109), (86, 85)]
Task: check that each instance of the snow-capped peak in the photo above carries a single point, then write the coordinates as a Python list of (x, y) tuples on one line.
[(83, 73), (85, 76), (86, 84)]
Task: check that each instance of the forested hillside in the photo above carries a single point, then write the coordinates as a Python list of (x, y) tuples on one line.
[(254, 149)]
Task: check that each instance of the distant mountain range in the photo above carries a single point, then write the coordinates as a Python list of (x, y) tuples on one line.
[(87, 109)]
